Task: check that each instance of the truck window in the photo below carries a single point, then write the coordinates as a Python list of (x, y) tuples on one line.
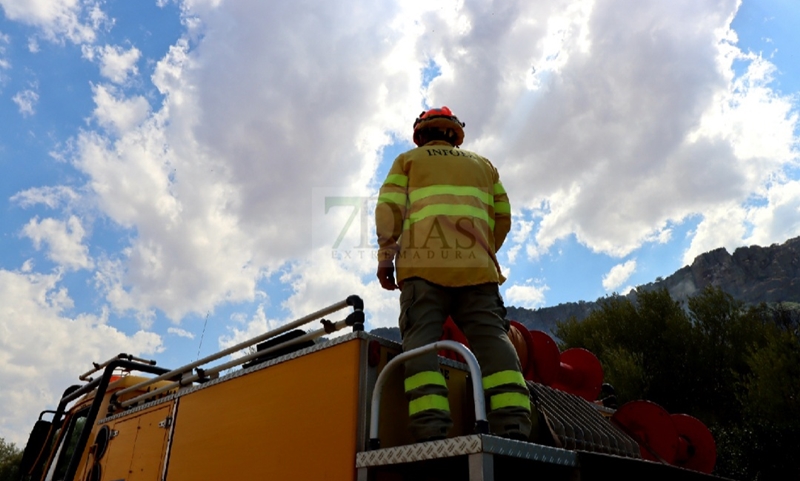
[(67, 445)]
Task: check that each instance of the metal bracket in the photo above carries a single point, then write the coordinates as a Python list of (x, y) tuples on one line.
[(165, 423)]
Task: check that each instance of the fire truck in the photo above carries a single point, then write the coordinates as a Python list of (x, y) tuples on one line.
[(310, 405)]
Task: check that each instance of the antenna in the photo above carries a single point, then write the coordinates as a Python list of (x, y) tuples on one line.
[(202, 335)]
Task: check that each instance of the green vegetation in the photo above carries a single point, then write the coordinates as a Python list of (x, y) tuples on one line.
[(10, 457), (735, 367)]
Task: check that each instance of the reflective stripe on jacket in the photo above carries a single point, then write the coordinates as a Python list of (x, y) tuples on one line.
[(442, 214)]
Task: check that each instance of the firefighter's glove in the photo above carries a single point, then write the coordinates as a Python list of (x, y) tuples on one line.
[(386, 275)]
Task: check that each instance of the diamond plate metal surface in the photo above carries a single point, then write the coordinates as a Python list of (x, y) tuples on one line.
[(421, 451), (529, 451), (463, 445)]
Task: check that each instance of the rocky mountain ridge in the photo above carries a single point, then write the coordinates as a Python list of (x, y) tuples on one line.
[(751, 274)]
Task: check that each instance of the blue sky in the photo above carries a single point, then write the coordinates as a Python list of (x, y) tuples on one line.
[(168, 162)]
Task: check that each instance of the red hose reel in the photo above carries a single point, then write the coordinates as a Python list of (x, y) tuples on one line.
[(677, 439), (576, 371)]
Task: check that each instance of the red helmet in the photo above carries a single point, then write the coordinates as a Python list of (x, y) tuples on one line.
[(441, 118)]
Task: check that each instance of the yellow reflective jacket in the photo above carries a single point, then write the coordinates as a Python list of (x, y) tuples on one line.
[(442, 215)]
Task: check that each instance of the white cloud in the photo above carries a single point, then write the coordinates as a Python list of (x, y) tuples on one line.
[(51, 196), (26, 101), (322, 279), (42, 350), (225, 170), (325, 278), (189, 254), (33, 45), (773, 219), (618, 275), (623, 131), (180, 332), (116, 64), (722, 226), (520, 232), (118, 115), (624, 128), (663, 236), (73, 20), (529, 295), (4, 62), (64, 241), (779, 218), (534, 250), (257, 325), (757, 121)]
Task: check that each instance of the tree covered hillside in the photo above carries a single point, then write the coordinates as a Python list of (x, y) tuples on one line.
[(735, 367)]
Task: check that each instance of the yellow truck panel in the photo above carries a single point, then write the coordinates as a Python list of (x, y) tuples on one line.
[(136, 449), (248, 428)]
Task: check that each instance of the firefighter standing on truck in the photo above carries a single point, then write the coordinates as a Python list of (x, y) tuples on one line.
[(450, 214)]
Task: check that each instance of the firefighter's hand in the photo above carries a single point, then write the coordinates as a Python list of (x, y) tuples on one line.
[(386, 275)]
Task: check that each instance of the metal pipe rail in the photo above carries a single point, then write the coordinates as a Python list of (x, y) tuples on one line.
[(355, 301), (329, 327), (481, 423), (122, 356)]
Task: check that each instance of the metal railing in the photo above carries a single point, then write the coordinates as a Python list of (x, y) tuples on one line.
[(481, 423), (122, 356), (184, 374)]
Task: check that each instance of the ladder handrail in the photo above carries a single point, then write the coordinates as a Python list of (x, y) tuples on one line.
[(481, 423), (355, 301)]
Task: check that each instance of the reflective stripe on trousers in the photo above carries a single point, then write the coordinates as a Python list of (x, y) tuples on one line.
[(507, 399), (428, 401)]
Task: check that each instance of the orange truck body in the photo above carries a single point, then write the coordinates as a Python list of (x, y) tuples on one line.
[(303, 416)]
